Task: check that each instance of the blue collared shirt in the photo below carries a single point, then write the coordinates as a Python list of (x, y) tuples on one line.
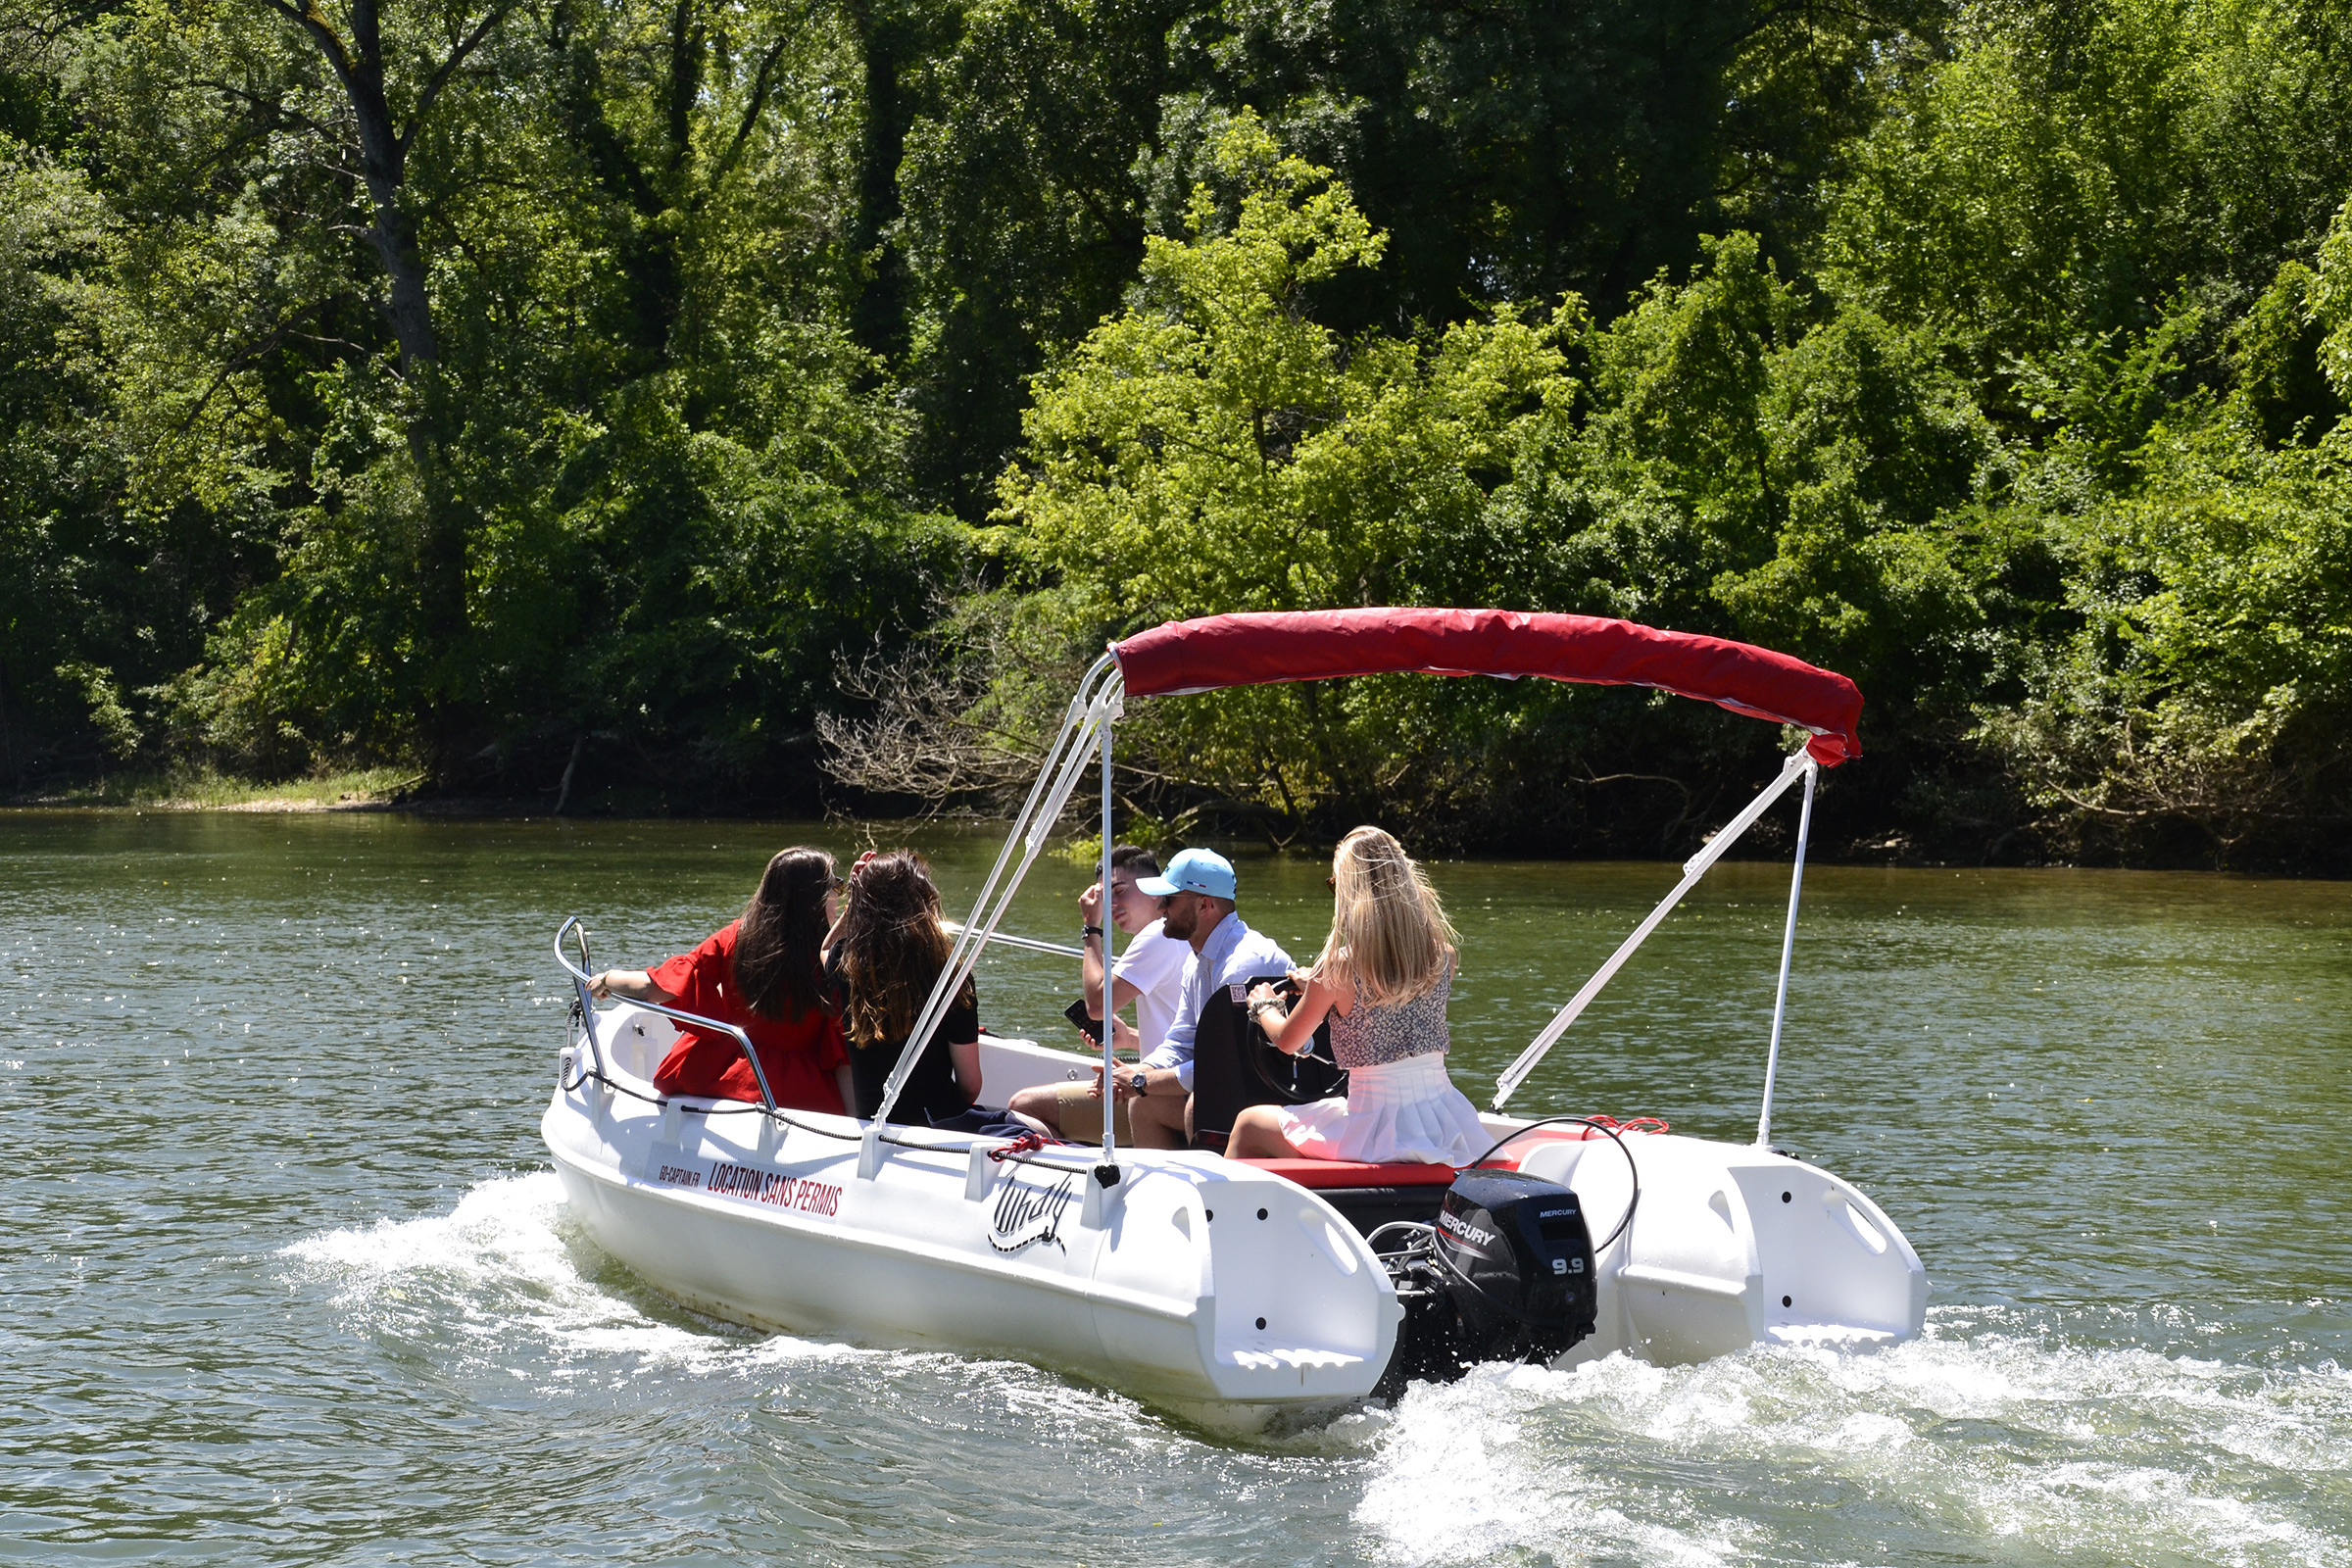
[(1231, 954)]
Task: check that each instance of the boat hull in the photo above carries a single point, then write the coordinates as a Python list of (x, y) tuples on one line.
[(1202, 1284), (1193, 1281)]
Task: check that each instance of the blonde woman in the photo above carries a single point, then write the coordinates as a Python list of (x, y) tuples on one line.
[(1384, 977)]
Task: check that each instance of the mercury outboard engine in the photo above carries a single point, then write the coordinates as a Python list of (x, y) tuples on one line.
[(1504, 1275)]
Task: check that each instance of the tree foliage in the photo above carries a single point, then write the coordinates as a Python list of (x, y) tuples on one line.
[(484, 377), (524, 390)]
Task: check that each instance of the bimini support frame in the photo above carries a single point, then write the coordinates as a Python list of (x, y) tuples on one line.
[(1106, 1174), (1098, 704), (1249, 648), (1800, 764), (1780, 998)]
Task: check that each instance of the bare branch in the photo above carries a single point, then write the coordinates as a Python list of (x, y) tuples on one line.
[(442, 73), (330, 43), (752, 111), (923, 739)]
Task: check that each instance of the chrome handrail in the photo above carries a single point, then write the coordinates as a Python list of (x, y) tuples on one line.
[(959, 1145), (583, 1003), (581, 979)]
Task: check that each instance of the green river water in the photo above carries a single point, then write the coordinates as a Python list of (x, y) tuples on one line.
[(288, 1278)]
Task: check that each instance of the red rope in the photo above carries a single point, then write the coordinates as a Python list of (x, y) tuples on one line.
[(1027, 1143), (1654, 1125)]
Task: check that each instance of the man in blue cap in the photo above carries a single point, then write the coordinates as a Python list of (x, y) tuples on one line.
[(1199, 887)]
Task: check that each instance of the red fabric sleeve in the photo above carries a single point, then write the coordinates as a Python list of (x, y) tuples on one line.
[(693, 980), (799, 1054), (701, 1061), (832, 1049)]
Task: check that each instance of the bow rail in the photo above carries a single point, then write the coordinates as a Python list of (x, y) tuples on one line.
[(581, 980)]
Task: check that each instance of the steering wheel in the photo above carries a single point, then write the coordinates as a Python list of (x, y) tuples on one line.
[(1313, 1074)]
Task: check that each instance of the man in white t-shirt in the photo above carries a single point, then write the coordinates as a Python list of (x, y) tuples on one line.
[(1149, 974)]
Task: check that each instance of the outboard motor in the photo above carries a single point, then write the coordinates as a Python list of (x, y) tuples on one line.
[(1504, 1275)]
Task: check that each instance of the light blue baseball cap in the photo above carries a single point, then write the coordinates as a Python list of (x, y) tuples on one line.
[(1193, 871)]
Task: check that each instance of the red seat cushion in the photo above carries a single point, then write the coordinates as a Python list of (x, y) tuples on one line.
[(1349, 1173)]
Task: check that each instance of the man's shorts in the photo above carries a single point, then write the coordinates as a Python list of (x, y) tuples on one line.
[(1079, 1115)]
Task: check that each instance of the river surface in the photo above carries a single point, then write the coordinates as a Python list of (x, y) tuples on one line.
[(288, 1278)]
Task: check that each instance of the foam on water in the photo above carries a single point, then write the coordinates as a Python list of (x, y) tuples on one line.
[(502, 1260), (1991, 1427), (2065, 1450)]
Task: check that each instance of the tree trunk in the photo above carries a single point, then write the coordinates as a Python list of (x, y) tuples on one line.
[(384, 165), (879, 320), (648, 254), (359, 66)]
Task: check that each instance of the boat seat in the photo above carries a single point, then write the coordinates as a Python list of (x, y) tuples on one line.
[(1368, 1197), (1235, 1069), (1326, 1173)]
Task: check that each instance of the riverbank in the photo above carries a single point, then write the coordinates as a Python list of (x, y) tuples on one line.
[(409, 791), (362, 790)]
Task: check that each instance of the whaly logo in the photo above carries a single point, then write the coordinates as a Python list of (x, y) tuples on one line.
[(1026, 1215)]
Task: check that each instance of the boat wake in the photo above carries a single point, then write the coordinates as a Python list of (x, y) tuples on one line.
[(505, 1263), (1981, 1430), (2064, 1441)]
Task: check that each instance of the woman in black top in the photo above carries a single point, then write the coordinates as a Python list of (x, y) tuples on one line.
[(883, 955)]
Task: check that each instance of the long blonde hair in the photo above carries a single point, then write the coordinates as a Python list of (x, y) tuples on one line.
[(1386, 921)]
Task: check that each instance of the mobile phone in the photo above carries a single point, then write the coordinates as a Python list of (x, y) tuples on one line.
[(1092, 1028)]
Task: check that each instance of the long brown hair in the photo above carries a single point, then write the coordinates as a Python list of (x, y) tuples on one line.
[(891, 947), (777, 972), (1385, 920)]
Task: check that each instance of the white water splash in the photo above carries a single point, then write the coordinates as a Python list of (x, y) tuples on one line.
[(1466, 1476), (2023, 1444), (500, 1262), (2085, 1454)]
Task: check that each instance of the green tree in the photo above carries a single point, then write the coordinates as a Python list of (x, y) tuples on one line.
[(2072, 168), (630, 421), (1522, 150), (63, 616), (1023, 216), (1214, 449)]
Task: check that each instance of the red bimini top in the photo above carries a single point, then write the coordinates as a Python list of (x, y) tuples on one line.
[(1263, 647)]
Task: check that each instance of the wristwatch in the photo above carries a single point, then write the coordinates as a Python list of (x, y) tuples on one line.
[(1139, 1083), (1090, 931)]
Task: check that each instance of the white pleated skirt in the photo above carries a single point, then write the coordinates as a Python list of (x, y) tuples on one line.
[(1396, 1112)]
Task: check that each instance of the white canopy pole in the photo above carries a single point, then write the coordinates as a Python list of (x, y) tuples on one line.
[(1779, 1000), (1693, 869), (1072, 723), (1110, 1170), (1059, 950), (1046, 798)]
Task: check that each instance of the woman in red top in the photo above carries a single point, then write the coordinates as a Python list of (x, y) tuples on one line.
[(763, 975)]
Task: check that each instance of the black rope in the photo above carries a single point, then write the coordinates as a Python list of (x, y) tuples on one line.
[(1632, 1169)]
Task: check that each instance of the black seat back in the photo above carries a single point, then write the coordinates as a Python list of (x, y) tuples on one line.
[(1235, 1067)]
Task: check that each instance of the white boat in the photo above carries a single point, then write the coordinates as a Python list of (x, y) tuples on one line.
[(1228, 1290)]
